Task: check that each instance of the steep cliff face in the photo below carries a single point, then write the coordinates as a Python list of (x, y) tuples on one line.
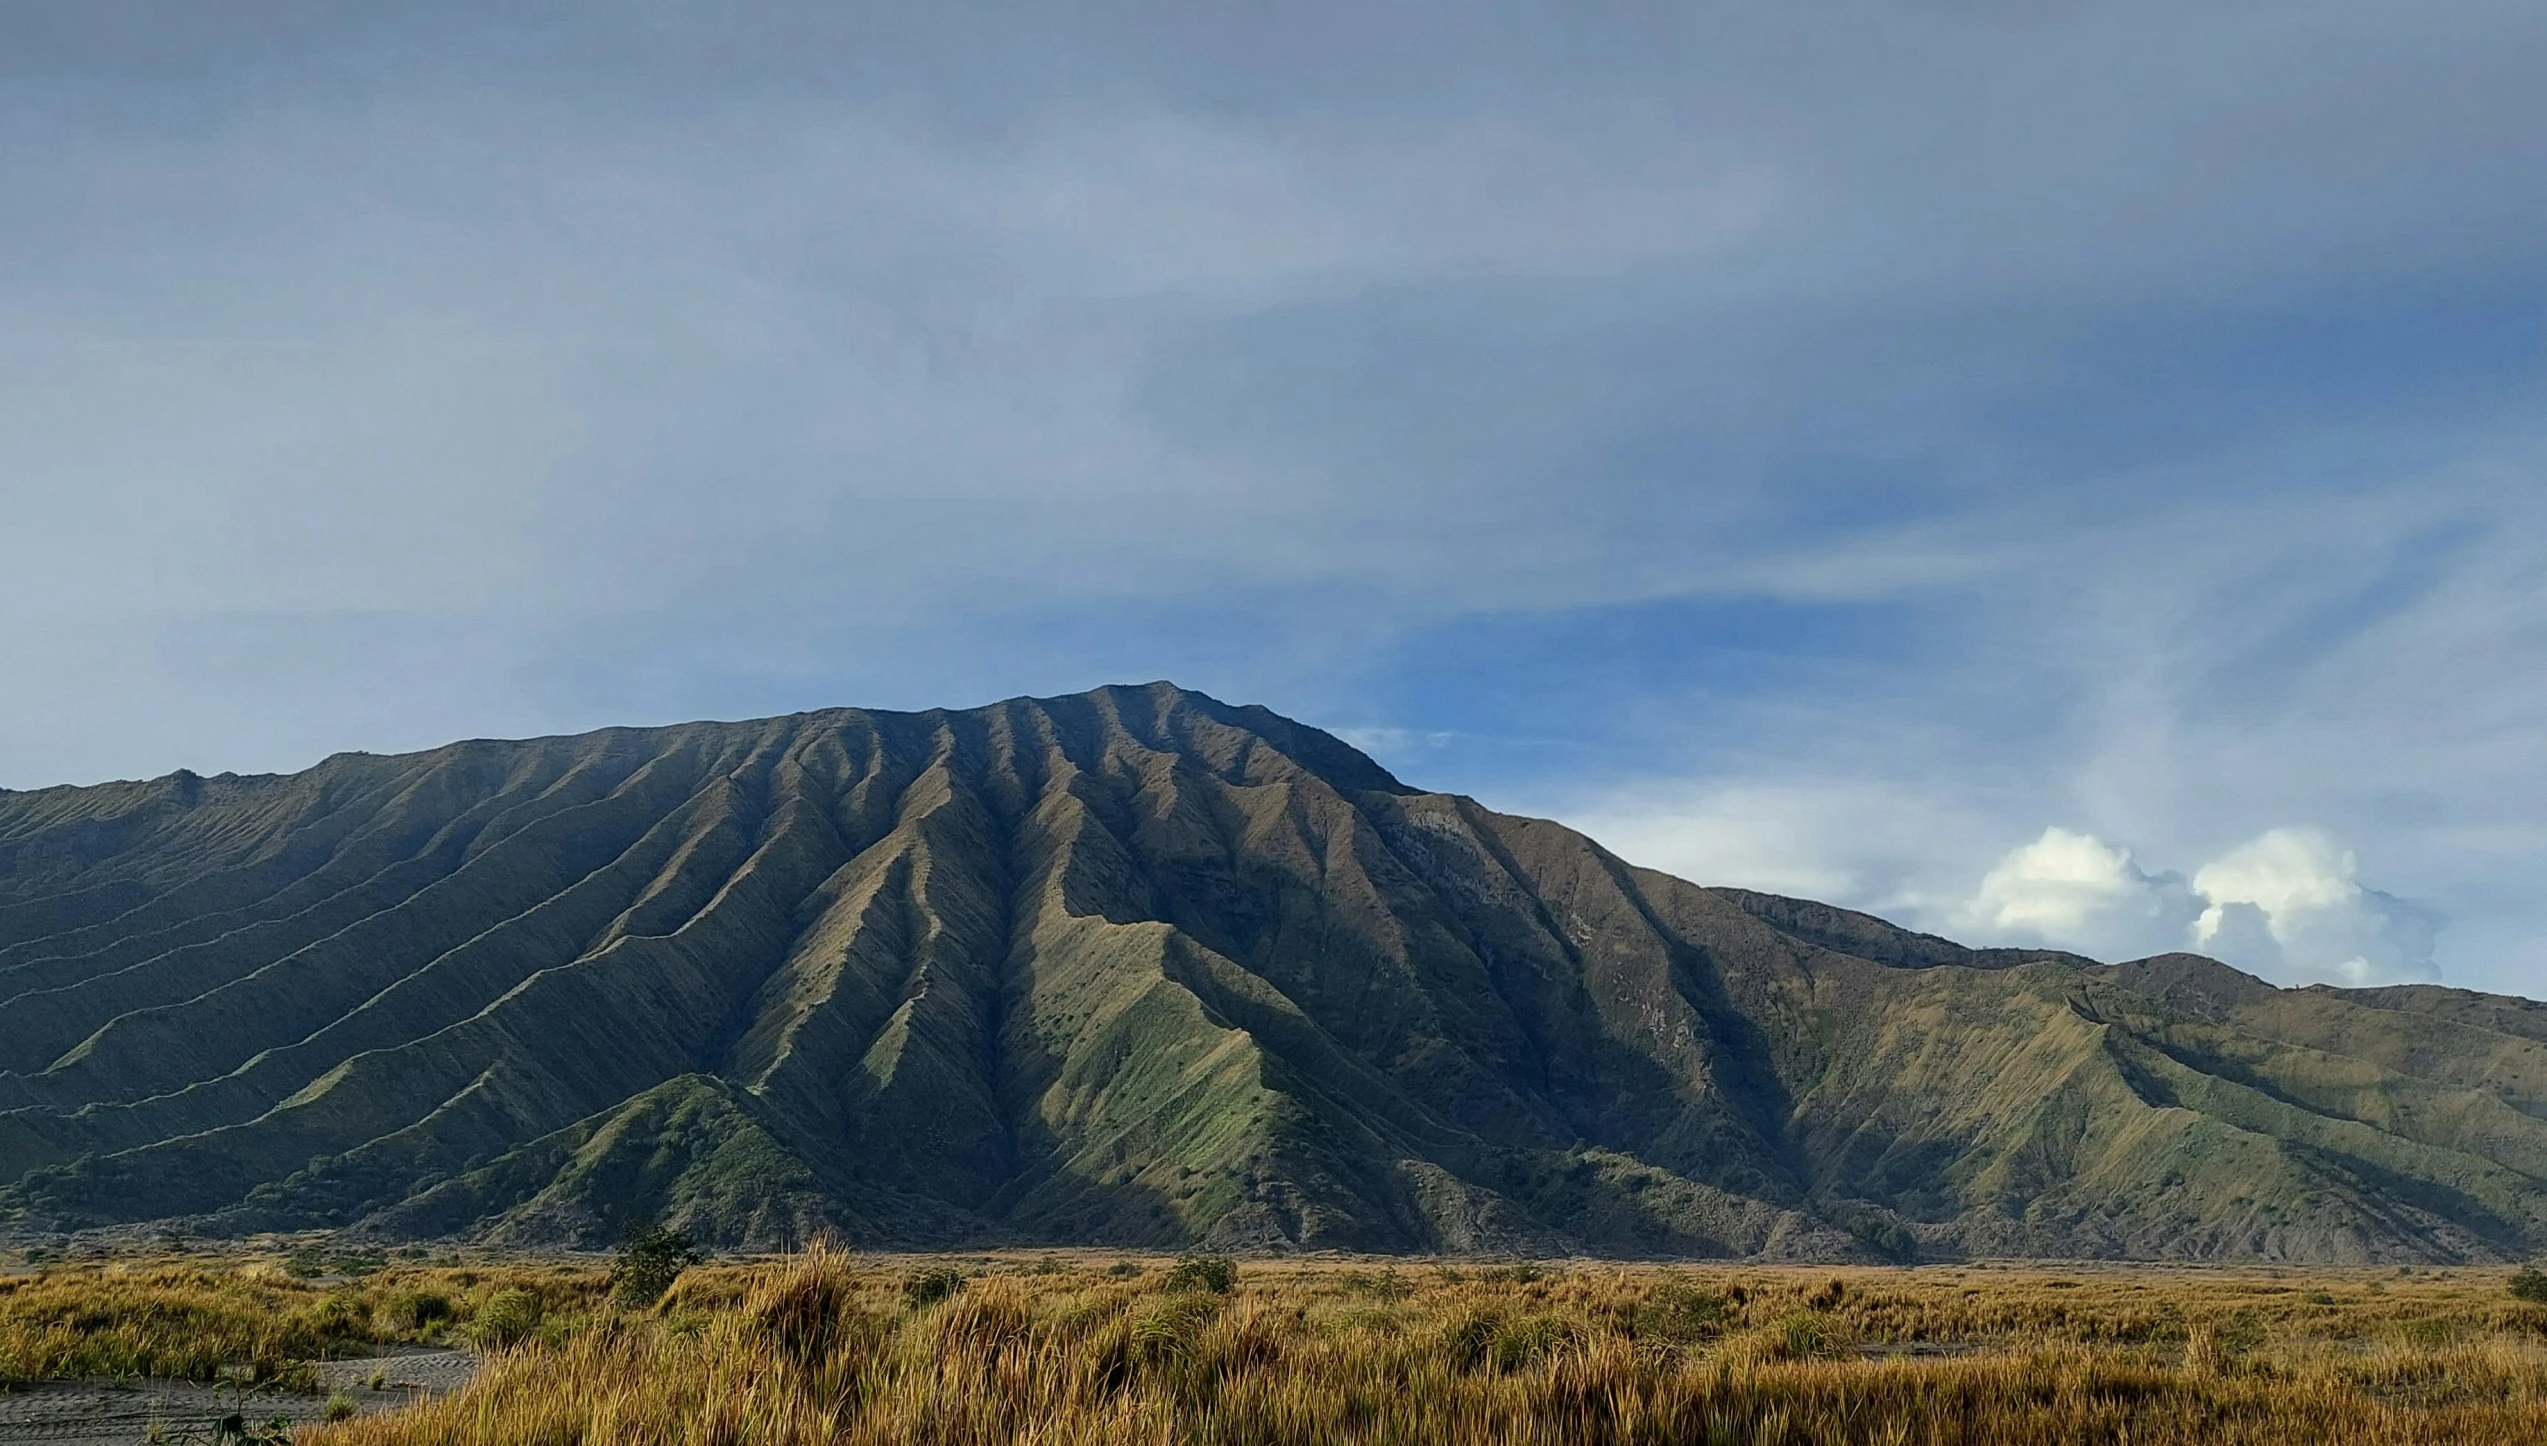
[(1136, 966)]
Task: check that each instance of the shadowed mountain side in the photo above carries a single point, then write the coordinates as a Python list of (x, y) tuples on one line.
[(1139, 967)]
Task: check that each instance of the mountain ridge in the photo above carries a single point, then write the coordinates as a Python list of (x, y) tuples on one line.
[(1137, 966)]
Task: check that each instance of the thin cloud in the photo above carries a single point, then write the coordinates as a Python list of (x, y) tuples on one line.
[(2156, 388)]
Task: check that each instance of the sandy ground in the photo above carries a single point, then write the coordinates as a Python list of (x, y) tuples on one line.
[(95, 1413)]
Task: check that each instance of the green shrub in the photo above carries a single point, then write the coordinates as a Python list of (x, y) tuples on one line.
[(417, 1310), (508, 1317), (1215, 1273), (340, 1316), (360, 1264), (236, 1430), (2530, 1284), (1123, 1269), (928, 1287), (648, 1261), (1679, 1312)]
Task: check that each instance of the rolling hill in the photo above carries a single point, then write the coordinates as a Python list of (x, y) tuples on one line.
[(1139, 967)]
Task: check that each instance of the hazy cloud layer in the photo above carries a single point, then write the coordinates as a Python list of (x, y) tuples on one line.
[(1813, 448)]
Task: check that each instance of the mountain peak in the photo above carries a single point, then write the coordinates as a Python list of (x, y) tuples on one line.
[(1140, 967)]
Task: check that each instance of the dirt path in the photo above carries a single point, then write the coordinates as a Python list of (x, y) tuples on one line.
[(97, 1413)]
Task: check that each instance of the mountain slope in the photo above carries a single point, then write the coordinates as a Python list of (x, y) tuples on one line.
[(1136, 966)]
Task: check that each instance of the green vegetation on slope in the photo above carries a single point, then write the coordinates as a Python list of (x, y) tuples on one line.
[(1142, 968)]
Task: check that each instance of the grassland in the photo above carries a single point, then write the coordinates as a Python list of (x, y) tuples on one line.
[(1084, 1349), (255, 1319)]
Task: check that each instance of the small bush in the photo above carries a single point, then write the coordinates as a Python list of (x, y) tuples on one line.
[(235, 1430), (1215, 1273), (649, 1260), (1123, 1270), (1680, 1313), (340, 1316), (417, 1310), (340, 1407), (928, 1287), (507, 1318), (2530, 1285)]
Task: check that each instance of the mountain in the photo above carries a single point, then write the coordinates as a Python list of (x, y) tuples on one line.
[(1139, 967)]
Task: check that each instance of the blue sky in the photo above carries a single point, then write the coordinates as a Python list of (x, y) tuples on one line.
[(2047, 473)]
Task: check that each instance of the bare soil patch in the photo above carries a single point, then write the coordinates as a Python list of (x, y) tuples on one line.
[(124, 1413)]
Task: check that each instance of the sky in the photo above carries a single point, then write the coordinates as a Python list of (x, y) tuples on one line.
[(2047, 473)]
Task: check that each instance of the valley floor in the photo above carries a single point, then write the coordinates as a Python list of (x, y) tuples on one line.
[(1089, 1347)]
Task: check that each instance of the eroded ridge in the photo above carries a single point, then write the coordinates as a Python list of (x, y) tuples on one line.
[(1137, 966)]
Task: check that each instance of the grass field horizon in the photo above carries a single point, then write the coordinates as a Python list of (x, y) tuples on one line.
[(1089, 1345)]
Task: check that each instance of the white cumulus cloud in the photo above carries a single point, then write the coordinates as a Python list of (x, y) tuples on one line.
[(2287, 904), (2289, 901), (2076, 890)]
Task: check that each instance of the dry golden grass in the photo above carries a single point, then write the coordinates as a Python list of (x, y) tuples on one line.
[(825, 1348), (194, 1320), (830, 1348)]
